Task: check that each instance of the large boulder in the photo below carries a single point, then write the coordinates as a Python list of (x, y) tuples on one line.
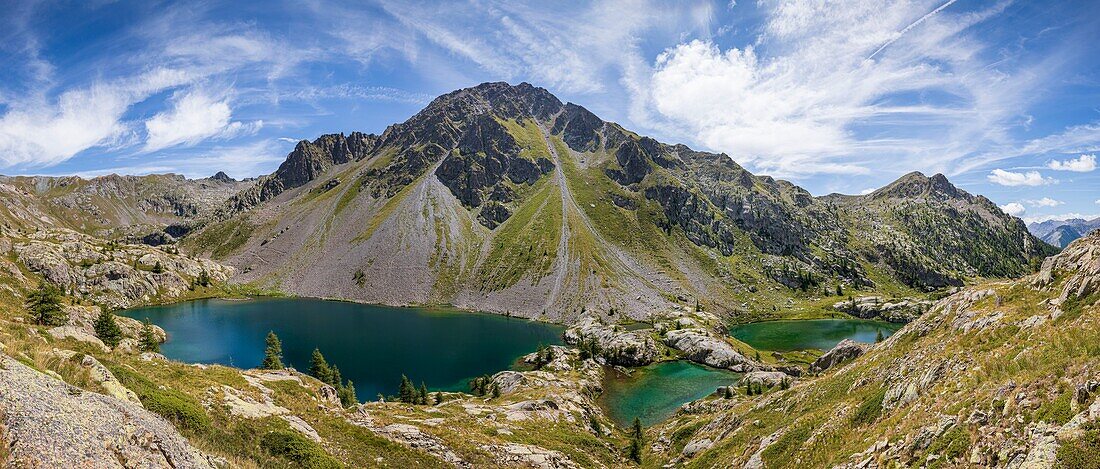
[(846, 350), (51, 424), (701, 347)]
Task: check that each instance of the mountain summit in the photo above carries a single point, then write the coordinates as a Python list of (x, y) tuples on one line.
[(502, 198)]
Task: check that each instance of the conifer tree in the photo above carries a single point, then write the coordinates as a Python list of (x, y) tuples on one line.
[(335, 378), (438, 398), (422, 395), (148, 342), (406, 392), (273, 354), (878, 336), (44, 305), (158, 268), (346, 393), (107, 329), (636, 436), (496, 390), (319, 368)]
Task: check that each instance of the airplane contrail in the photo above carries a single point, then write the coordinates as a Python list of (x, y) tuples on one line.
[(911, 26)]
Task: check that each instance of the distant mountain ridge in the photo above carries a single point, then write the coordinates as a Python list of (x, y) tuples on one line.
[(1060, 233), (503, 198)]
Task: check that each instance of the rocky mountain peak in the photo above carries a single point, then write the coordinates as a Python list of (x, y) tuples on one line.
[(220, 176), (917, 185), (497, 98)]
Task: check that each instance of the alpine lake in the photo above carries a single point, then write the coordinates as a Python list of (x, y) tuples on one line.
[(446, 348)]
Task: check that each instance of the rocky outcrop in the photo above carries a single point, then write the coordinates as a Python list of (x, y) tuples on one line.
[(875, 307), (40, 412), (846, 350), (701, 347), (117, 275), (615, 344), (515, 454), (1078, 264), (768, 379)]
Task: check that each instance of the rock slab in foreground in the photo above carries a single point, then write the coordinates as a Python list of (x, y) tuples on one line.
[(51, 424)]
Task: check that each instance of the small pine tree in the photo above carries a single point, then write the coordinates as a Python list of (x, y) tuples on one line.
[(758, 355), (148, 342), (839, 290), (273, 354), (335, 378), (346, 393), (422, 395), (319, 368), (496, 390), (44, 305), (636, 436), (406, 392), (107, 329), (158, 268), (879, 337), (438, 398), (729, 393)]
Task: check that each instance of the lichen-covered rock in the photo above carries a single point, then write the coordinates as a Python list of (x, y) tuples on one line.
[(845, 351), (77, 333), (51, 424)]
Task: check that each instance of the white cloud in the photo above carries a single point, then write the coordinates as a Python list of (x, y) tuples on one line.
[(1081, 164), (1014, 209), (1044, 202), (867, 191), (1008, 178), (195, 116), (39, 133)]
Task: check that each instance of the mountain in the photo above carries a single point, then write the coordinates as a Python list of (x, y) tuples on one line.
[(503, 198), (1060, 233), (111, 206)]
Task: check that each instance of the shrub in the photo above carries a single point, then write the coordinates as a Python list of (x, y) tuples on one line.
[(298, 449), (183, 411), (1083, 452)]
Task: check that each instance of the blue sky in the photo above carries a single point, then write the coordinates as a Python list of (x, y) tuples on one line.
[(1003, 97)]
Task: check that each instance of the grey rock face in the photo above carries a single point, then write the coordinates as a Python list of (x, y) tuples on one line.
[(845, 351), (868, 307), (703, 348), (51, 424)]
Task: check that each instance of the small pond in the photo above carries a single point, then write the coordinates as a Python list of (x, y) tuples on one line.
[(653, 393), (820, 334)]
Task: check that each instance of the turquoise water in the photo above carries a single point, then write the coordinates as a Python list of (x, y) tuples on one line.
[(372, 345), (821, 334), (653, 393)]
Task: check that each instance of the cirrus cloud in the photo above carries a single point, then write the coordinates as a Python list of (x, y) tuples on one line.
[(194, 117)]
